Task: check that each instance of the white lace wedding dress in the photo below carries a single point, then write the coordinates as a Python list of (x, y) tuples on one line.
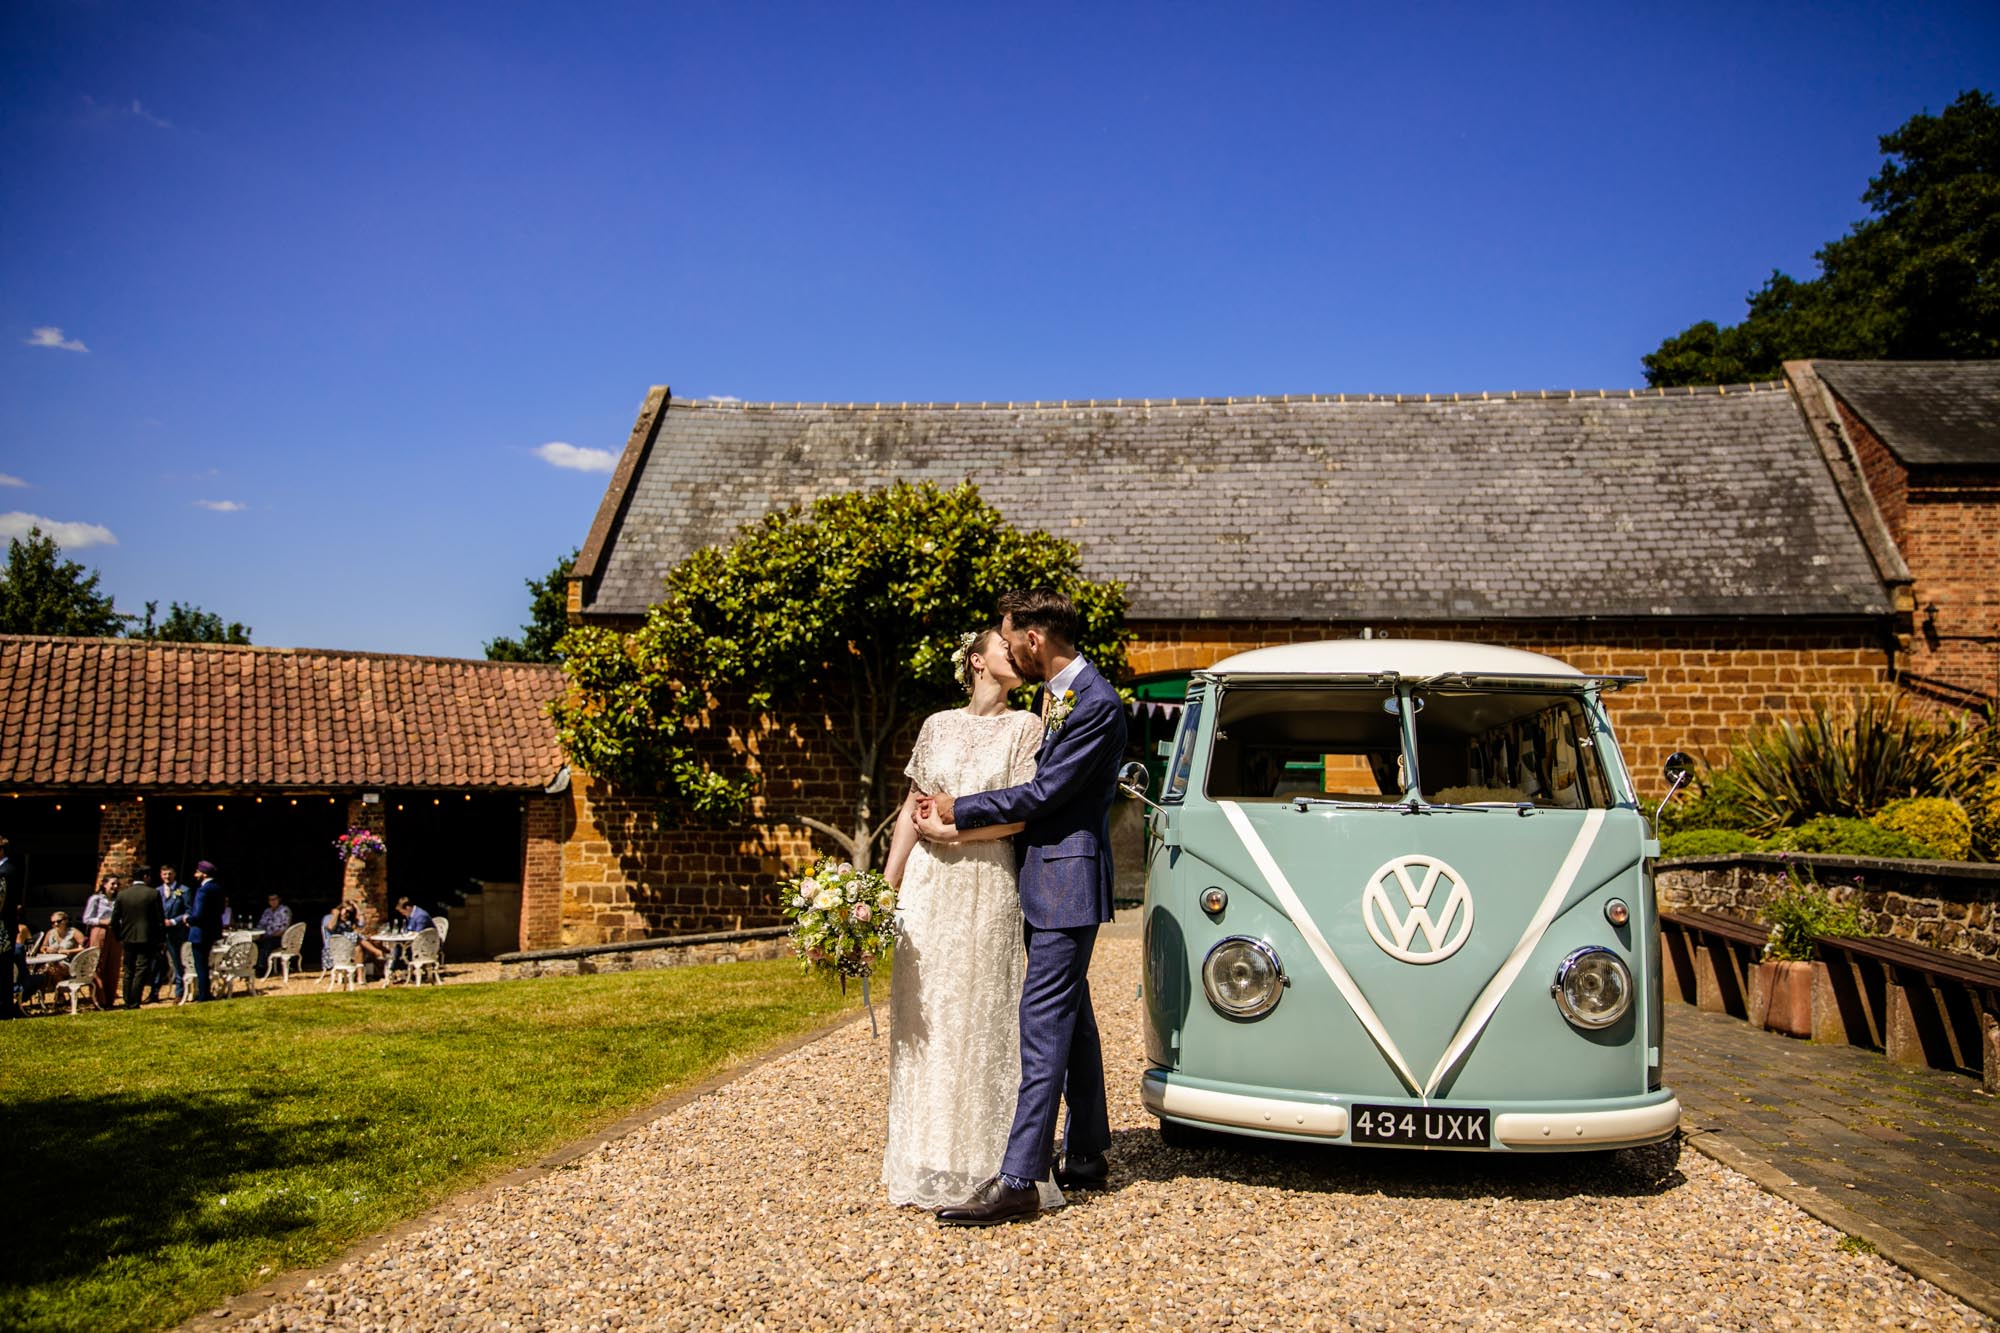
[(954, 1033)]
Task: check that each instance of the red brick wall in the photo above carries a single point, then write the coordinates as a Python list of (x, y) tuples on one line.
[(121, 839), (1706, 681), (364, 881), (545, 827), (1946, 521)]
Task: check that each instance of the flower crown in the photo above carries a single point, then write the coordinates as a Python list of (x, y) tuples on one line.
[(961, 660)]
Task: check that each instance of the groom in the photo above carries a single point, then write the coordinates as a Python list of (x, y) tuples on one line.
[(1065, 853)]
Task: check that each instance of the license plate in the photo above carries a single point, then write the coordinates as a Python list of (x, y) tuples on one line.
[(1424, 1126)]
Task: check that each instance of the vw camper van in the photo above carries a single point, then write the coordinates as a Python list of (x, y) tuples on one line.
[(1400, 893)]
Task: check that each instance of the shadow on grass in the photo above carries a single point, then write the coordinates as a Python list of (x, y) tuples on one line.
[(121, 1176), (1139, 1154)]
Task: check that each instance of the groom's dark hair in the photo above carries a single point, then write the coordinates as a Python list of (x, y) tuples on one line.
[(1048, 611)]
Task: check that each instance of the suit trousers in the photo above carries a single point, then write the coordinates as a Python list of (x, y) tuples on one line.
[(200, 978), (1061, 1056), (140, 960)]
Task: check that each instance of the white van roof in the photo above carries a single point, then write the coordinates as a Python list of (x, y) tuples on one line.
[(1410, 658)]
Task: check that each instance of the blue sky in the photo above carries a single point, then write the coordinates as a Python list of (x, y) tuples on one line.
[(329, 277)]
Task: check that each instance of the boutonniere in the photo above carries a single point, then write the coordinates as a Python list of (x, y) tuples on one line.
[(1059, 710)]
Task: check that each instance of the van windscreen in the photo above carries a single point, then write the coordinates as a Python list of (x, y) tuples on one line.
[(1281, 743), (1513, 747)]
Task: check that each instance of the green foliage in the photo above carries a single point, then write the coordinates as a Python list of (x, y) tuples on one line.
[(1920, 279), (1836, 835), (1971, 772), (42, 593), (1935, 821), (1707, 842), (1715, 803), (1802, 910), (848, 608), (264, 1143), (187, 623), (1848, 761), (548, 619)]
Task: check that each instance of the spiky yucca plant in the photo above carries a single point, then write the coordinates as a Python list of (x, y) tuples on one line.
[(1850, 761)]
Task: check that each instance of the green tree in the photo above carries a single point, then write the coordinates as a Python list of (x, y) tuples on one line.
[(42, 593), (1919, 280), (849, 607), (548, 619), (187, 623)]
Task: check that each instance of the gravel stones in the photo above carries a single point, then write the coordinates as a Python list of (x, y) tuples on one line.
[(759, 1206)]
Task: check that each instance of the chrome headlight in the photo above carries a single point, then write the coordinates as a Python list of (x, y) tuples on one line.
[(1242, 977), (1593, 987)]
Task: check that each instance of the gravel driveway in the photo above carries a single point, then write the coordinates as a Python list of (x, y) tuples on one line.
[(758, 1206)]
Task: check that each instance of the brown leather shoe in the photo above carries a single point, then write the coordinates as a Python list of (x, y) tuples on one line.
[(992, 1203), (1078, 1172)]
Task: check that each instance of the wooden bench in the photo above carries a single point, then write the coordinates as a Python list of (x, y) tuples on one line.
[(1709, 960), (1920, 1006)]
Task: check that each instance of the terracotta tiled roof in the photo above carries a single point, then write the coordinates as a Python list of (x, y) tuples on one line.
[(115, 713)]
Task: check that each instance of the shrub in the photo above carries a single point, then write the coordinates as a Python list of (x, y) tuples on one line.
[(1707, 842), (1715, 803), (1800, 911), (1935, 820), (1833, 835), (1972, 776), (1850, 761)]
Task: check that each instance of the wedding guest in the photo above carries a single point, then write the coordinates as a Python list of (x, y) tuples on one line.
[(272, 924), (367, 950), (204, 924), (60, 938), (140, 927), (175, 904), (13, 903), (414, 917), (97, 925)]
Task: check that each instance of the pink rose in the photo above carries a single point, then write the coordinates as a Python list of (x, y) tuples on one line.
[(862, 912)]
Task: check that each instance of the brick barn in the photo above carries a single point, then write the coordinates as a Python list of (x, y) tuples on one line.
[(117, 755), (1748, 549)]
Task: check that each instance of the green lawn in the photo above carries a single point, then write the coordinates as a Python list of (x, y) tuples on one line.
[(155, 1162)]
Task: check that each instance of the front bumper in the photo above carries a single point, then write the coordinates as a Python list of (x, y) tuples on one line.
[(1625, 1123)]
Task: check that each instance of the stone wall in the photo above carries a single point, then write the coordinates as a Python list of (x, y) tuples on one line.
[(737, 946), (1706, 681), (1951, 905)]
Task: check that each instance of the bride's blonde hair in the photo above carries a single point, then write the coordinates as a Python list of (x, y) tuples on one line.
[(961, 659)]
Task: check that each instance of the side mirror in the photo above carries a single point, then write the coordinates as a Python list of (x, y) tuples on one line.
[(1132, 780), (1679, 771)]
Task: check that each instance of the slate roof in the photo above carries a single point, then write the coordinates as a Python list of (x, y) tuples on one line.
[(1511, 506), (115, 713), (1928, 413)]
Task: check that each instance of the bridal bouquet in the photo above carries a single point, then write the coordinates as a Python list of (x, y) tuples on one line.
[(843, 919)]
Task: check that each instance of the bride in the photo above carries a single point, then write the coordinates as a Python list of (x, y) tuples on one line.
[(954, 1034)]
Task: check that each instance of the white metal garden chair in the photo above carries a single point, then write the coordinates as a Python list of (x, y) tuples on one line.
[(341, 961), (82, 973), (443, 927), (426, 951), (233, 962), (286, 955), (187, 973)]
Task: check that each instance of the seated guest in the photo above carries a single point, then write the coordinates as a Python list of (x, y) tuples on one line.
[(272, 924), (414, 917), (366, 951), (63, 938)]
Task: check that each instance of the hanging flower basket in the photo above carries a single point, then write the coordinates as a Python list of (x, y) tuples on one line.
[(358, 844)]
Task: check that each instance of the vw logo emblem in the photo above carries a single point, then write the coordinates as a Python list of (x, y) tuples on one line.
[(1396, 921)]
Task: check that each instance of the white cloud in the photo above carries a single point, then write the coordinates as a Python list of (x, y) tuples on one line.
[(105, 111), (9, 479), (69, 536), (48, 335), (160, 122), (724, 398), (222, 506), (576, 458)]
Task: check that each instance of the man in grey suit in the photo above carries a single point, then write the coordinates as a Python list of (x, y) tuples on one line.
[(1066, 878)]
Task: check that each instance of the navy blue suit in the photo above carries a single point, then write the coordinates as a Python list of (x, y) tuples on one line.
[(1066, 879), (204, 930)]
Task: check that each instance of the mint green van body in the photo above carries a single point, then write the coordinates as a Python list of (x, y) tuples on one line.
[(1399, 893)]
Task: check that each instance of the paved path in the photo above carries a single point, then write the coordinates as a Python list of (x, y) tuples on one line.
[(757, 1206), (1907, 1158)]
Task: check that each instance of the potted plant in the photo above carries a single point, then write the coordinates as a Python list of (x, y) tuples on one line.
[(1797, 913)]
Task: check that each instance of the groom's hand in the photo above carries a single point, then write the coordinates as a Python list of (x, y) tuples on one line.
[(941, 806)]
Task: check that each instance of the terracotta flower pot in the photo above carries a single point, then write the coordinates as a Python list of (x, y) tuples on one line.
[(1787, 989)]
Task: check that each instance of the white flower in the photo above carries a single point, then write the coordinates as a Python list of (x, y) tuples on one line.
[(808, 886), (827, 899)]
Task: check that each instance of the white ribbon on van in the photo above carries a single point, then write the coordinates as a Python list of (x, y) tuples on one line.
[(1336, 971), (1538, 926)]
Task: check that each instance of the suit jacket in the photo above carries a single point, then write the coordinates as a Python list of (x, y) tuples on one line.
[(1065, 850), (137, 918), (205, 916), (13, 897)]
